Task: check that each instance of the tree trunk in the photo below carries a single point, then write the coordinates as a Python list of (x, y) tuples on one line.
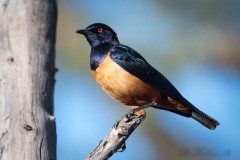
[(27, 53)]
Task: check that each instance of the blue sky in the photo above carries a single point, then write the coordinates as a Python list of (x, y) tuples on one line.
[(84, 113)]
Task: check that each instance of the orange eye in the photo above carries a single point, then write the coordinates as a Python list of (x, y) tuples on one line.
[(100, 30)]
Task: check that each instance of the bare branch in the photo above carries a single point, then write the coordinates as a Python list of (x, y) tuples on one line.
[(119, 133), (116, 138)]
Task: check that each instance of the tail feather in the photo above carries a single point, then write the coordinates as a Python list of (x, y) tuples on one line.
[(205, 120)]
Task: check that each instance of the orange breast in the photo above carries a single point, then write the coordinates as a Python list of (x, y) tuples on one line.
[(123, 86)]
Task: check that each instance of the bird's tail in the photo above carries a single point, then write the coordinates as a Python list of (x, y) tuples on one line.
[(204, 119)]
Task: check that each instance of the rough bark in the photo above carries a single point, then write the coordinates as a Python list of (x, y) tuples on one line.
[(119, 133), (116, 138), (27, 53)]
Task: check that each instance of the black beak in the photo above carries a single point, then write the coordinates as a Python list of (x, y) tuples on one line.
[(82, 31)]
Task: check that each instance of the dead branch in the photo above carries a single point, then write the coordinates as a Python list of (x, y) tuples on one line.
[(115, 139)]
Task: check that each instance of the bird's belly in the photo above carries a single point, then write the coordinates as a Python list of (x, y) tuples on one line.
[(123, 86)]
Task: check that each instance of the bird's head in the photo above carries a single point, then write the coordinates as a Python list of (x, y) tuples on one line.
[(99, 33)]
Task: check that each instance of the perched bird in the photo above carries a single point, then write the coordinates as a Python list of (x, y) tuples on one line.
[(128, 78)]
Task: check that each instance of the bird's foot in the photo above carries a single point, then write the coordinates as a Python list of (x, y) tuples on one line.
[(152, 104), (131, 113)]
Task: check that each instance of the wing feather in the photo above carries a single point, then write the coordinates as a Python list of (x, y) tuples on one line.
[(134, 63)]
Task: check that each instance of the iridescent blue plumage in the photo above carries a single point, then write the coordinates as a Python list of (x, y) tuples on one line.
[(127, 77)]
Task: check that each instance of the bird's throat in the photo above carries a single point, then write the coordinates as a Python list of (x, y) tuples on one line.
[(98, 53)]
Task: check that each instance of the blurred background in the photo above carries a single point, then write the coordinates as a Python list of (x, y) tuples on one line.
[(195, 44)]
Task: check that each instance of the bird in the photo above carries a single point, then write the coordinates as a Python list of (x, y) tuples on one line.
[(129, 79)]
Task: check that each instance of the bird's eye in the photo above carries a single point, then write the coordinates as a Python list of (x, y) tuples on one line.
[(100, 30)]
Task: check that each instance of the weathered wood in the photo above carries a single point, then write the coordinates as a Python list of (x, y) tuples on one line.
[(116, 138), (119, 133), (27, 68)]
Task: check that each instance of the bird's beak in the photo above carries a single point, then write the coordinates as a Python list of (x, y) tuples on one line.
[(81, 31)]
